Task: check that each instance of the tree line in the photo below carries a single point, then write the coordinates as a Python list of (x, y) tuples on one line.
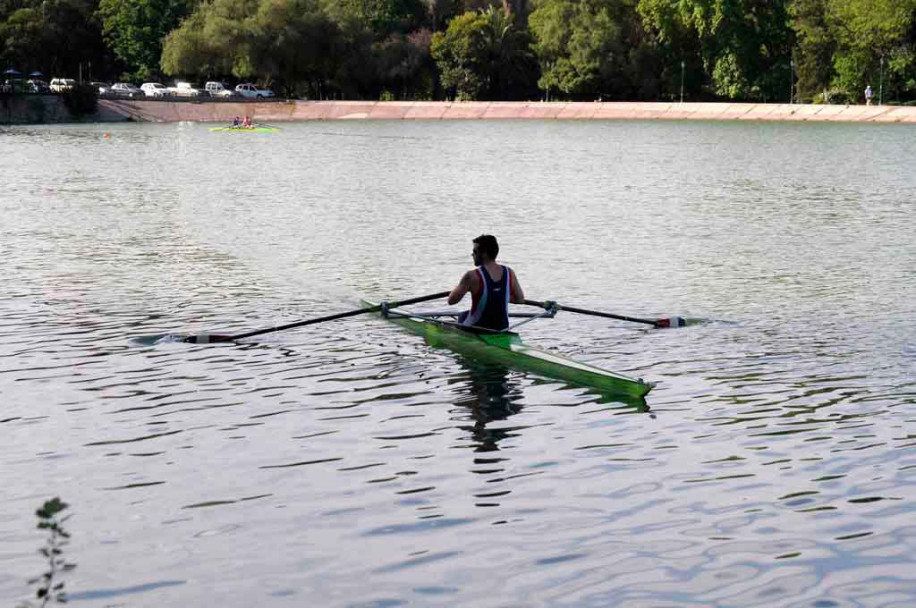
[(825, 51)]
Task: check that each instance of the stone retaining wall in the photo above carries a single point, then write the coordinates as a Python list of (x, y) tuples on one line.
[(164, 111), (32, 109), (46, 108)]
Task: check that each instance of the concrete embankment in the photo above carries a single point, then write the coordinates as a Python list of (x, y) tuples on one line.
[(33, 109), (37, 109), (164, 111)]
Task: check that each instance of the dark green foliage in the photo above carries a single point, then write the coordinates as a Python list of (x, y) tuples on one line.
[(485, 56), (814, 50), (382, 17), (744, 46), (761, 50), (135, 30), (56, 37), (81, 100), (50, 587), (591, 49)]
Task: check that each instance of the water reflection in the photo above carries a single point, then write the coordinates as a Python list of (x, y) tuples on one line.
[(491, 396), (780, 470)]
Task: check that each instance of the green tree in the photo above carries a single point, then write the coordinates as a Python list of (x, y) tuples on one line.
[(581, 46), (484, 55), (136, 29), (744, 45), (440, 12), (292, 43), (512, 67), (56, 37), (288, 42), (21, 35), (870, 33), (461, 55), (814, 48), (405, 66), (382, 17)]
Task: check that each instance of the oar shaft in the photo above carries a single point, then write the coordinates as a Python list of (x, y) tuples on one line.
[(340, 315), (594, 313)]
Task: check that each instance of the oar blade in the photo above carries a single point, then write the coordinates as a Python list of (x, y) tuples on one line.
[(207, 339), (677, 322), (670, 322)]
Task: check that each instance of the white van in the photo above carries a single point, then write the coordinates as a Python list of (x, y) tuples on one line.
[(218, 89), (185, 89), (59, 85)]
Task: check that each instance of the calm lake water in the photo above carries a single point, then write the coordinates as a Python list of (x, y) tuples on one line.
[(348, 464)]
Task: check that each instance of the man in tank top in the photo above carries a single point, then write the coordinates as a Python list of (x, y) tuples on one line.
[(492, 287)]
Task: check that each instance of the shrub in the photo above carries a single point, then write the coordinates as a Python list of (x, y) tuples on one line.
[(835, 97), (81, 100)]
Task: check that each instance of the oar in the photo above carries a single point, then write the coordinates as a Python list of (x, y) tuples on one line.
[(209, 338), (662, 322), (263, 124)]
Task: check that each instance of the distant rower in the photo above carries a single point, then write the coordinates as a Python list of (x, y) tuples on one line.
[(492, 287)]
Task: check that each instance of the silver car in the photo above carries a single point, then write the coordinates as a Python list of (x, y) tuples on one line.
[(125, 89)]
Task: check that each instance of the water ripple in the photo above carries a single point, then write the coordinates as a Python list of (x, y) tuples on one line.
[(351, 464)]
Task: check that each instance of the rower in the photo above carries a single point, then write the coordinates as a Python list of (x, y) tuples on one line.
[(235, 122), (247, 122), (492, 287)]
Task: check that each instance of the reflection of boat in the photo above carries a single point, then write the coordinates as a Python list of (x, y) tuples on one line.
[(508, 350), (244, 130)]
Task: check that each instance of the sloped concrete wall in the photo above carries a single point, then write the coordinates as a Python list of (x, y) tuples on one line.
[(36, 109), (42, 109), (163, 111), (32, 109)]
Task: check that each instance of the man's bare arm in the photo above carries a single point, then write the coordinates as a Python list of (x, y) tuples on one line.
[(464, 286), (515, 289)]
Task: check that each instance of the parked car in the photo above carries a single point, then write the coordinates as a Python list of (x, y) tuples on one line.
[(251, 91), (59, 85), (103, 87), (218, 89), (155, 89), (37, 86), (186, 89), (125, 89)]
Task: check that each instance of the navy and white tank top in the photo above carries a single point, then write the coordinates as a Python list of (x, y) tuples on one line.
[(491, 309)]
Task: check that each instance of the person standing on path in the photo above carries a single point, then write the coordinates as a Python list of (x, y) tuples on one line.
[(868, 95)]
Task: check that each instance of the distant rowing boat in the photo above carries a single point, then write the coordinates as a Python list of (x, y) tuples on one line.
[(507, 349), (244, 130)]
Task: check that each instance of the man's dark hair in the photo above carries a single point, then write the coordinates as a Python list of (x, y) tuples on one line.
[(488, 245)]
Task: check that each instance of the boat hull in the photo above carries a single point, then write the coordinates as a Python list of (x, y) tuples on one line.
[(243, 130), (508, 350)]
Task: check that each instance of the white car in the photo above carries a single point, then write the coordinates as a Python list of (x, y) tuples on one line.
[(59, 85), (155, 89), (186, 89), (217, 89), (252, 91), (125, 89)]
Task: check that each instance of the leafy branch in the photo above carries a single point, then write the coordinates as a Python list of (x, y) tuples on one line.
[(51, 588)]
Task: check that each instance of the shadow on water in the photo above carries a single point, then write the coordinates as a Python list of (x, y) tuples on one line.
[(491, 396)]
